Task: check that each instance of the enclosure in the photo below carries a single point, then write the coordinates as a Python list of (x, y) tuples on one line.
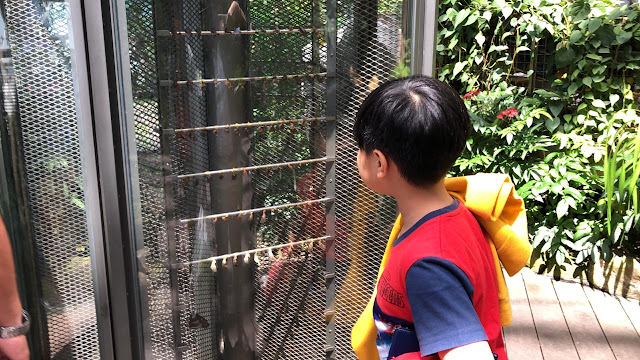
[(181, 174)]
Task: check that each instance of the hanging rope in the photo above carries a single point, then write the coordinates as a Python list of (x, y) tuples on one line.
[(246, 255)]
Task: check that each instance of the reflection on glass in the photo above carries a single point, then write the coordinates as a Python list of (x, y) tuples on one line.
[(236, 121), (41, 120)]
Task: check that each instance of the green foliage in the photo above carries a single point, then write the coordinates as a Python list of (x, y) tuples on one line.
[(552, 92), (390, 7), (402, 69)]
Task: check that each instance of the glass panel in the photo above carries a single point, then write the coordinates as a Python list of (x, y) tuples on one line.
[(252, 247), (373, 47), (41, 119)]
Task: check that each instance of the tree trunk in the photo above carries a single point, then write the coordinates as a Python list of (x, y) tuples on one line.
[(227, 57)]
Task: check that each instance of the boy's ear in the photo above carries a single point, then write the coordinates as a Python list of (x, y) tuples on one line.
[(382, 169)]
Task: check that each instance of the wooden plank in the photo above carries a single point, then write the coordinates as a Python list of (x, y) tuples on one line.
[(583, 324), (632, 308), (520, 337), (617, 327), (553, 333)]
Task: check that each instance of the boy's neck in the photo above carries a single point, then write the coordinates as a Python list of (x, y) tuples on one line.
[(414, 202)]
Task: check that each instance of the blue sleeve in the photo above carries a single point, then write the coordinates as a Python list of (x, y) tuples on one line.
[(440, 297)]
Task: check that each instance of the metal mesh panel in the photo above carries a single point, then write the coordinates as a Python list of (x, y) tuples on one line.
[(370, 47), (233, 133), (144, 78), (536, 61), (38, 36)]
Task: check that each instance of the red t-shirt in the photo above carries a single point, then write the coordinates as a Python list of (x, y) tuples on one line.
[(439, 287)]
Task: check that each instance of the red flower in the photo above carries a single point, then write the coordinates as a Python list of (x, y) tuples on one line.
[(510, 113), (471, 94)]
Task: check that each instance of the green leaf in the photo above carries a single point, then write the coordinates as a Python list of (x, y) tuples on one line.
[(497, 48), (507, 10), (480, 39), (565, 57), (572, 88), (471, 19), (563, 208), (476, 118), (545, 93), (575, 36), (552, 124), (594, 25), (623, 37), (587, 81), (594, 57), (579, 10), (462, 16), (453, 43), (457, 68), (616, 13), (556, 107), (78, 203), (559, 260), (606, 35), (598, 103), (613, 98), (599, 70)]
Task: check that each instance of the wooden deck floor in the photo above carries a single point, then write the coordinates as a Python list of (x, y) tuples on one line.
[(566, 321)]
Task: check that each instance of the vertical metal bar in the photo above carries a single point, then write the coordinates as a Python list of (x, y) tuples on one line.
[(168, 188), (330, 182), (140, 323), (104, 44), (423, 31), (90, 180), (163, 63), (171, 239)]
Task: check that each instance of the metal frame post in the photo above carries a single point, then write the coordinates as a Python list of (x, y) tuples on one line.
[(330, 316), (168, 189), (105, 37), (90, 180), (424, 27)]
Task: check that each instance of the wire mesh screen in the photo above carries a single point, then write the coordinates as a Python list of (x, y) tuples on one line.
[(372, 48), (253, 248), (38, 34)]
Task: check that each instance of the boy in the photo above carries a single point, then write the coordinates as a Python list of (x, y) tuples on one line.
[(437, 296)]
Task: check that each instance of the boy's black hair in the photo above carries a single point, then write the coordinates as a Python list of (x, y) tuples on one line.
[(419, 122)]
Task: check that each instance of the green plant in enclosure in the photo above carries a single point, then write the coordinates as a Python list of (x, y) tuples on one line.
[(552, 88)]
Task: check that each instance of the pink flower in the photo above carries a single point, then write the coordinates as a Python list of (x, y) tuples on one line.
[(510, 113), (471, 94)]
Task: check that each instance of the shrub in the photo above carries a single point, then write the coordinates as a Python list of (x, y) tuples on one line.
[(550, 88)]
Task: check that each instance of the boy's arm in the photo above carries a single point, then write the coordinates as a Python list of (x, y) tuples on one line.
[(11, 313), (478, 350), (445, 320)]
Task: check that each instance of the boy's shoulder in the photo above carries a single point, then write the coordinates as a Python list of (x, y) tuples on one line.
[(454, 235), (443, 229)]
